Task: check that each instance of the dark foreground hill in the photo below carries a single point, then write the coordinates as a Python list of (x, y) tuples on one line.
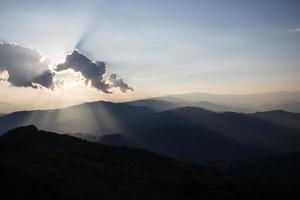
[(42, 165)]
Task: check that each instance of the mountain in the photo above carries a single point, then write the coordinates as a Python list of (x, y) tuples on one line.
[(281, 117), (216, 107), (163, 105), (36, 164), (251, 102), (259, 98), (118, 140), (154, 104), (190, 134), (290, 107), (243, 128), (270, 177), (288, 101), (198, 135), (45, 165), (101, 117)]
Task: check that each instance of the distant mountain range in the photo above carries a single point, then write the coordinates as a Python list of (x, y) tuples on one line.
[(36, 164), (275, 98), (163, 105), (288, 101), (100, 117), (188, 133), (280, 117), (198, 135), (290, 107)]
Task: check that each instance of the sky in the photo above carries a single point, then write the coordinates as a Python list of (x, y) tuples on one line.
[(154, 47)]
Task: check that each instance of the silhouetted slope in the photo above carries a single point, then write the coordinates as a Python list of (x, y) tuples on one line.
[(163, 105), (243, 128), (288, 101), (100, 117), (118, 140), (289, 107), (156, 105), (216, 107), (177, 136), (191, 134), (252, 101), (42, 165), (280, 117), (199, 135), (274, 177)]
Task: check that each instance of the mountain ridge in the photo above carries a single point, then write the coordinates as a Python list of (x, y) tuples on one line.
[(45, 165), (176, 133), (205, 134)]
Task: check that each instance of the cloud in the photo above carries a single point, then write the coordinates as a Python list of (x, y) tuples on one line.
[(119, 83), (294, 30), (93, 72), (25, 67)]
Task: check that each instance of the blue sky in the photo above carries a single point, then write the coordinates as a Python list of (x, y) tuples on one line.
[(163, 47)]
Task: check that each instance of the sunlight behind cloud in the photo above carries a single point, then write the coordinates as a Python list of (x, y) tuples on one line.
[(4, 75)]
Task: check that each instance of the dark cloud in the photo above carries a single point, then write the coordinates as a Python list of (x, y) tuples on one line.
[(119, 83), (28, 68), (92, 71), (25, 67)]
